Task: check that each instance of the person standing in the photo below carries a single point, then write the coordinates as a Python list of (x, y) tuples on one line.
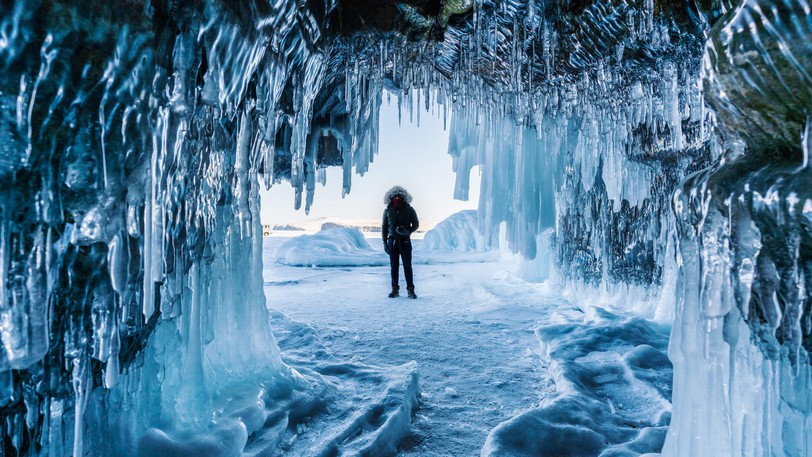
[(399, 222)]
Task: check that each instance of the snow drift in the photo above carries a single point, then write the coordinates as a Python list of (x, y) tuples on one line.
[(458, 232), (333, 247), (343, 247), (612, 392)]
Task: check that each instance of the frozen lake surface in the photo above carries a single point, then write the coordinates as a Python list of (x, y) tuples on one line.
[(494, 355)]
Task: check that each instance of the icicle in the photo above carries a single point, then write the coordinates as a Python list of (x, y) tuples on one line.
[(147, 255), (118, 262), (5, 258), (418, 108), (242, 166), (111, 370), (6, 387), (191, 405), (81, 388), (55, 428), (805, 143), (381, 61)]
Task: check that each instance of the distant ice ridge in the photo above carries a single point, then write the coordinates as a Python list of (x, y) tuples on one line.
[(459, 232), (330, 248), (347, 246)]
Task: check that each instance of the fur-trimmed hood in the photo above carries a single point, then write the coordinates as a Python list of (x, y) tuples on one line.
[(397, 190)]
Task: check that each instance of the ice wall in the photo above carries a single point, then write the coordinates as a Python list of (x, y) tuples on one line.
[(595, 149), (133, 139), (582, 171), (741, 336), (740, 343)]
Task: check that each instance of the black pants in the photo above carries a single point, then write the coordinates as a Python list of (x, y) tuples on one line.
[(401, 248)]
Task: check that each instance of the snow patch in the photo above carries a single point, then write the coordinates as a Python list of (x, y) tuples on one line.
[(612, 392), (335, 247), (366, 410), (459, 232)]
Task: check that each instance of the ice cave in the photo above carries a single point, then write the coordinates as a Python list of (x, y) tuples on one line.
[(651, 150)]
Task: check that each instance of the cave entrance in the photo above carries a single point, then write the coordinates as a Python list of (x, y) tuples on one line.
[(463, 369), (329, 307)]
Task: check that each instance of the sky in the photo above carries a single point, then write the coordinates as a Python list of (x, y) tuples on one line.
[(410, 156)]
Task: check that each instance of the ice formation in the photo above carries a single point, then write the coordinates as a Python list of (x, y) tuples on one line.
[(741, 340), (459, 232), (329, 248), (612, 392), (134, 137), (347, 246)]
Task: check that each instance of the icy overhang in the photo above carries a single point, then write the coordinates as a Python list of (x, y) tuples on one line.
[(142, 122)]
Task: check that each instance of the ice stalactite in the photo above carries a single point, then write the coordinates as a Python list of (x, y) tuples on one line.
[(218, 348), (597, 166), (741, 338), (582, 121)]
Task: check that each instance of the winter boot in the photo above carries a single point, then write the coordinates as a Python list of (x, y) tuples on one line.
[(410, 290), (395, 292)]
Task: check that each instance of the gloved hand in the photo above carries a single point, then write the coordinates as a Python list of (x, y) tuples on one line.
[(386, 247), (402, 231)]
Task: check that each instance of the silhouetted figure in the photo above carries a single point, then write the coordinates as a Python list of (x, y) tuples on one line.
[(399, 221)]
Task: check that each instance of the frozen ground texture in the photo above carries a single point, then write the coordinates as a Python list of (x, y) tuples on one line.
[(506, 367)]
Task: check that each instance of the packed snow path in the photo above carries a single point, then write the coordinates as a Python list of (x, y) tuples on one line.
[(472, 332)]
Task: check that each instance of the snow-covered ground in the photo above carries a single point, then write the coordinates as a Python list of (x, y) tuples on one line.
[(482, 362)]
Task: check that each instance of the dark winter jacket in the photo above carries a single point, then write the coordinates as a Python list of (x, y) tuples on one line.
[(405, 217)]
